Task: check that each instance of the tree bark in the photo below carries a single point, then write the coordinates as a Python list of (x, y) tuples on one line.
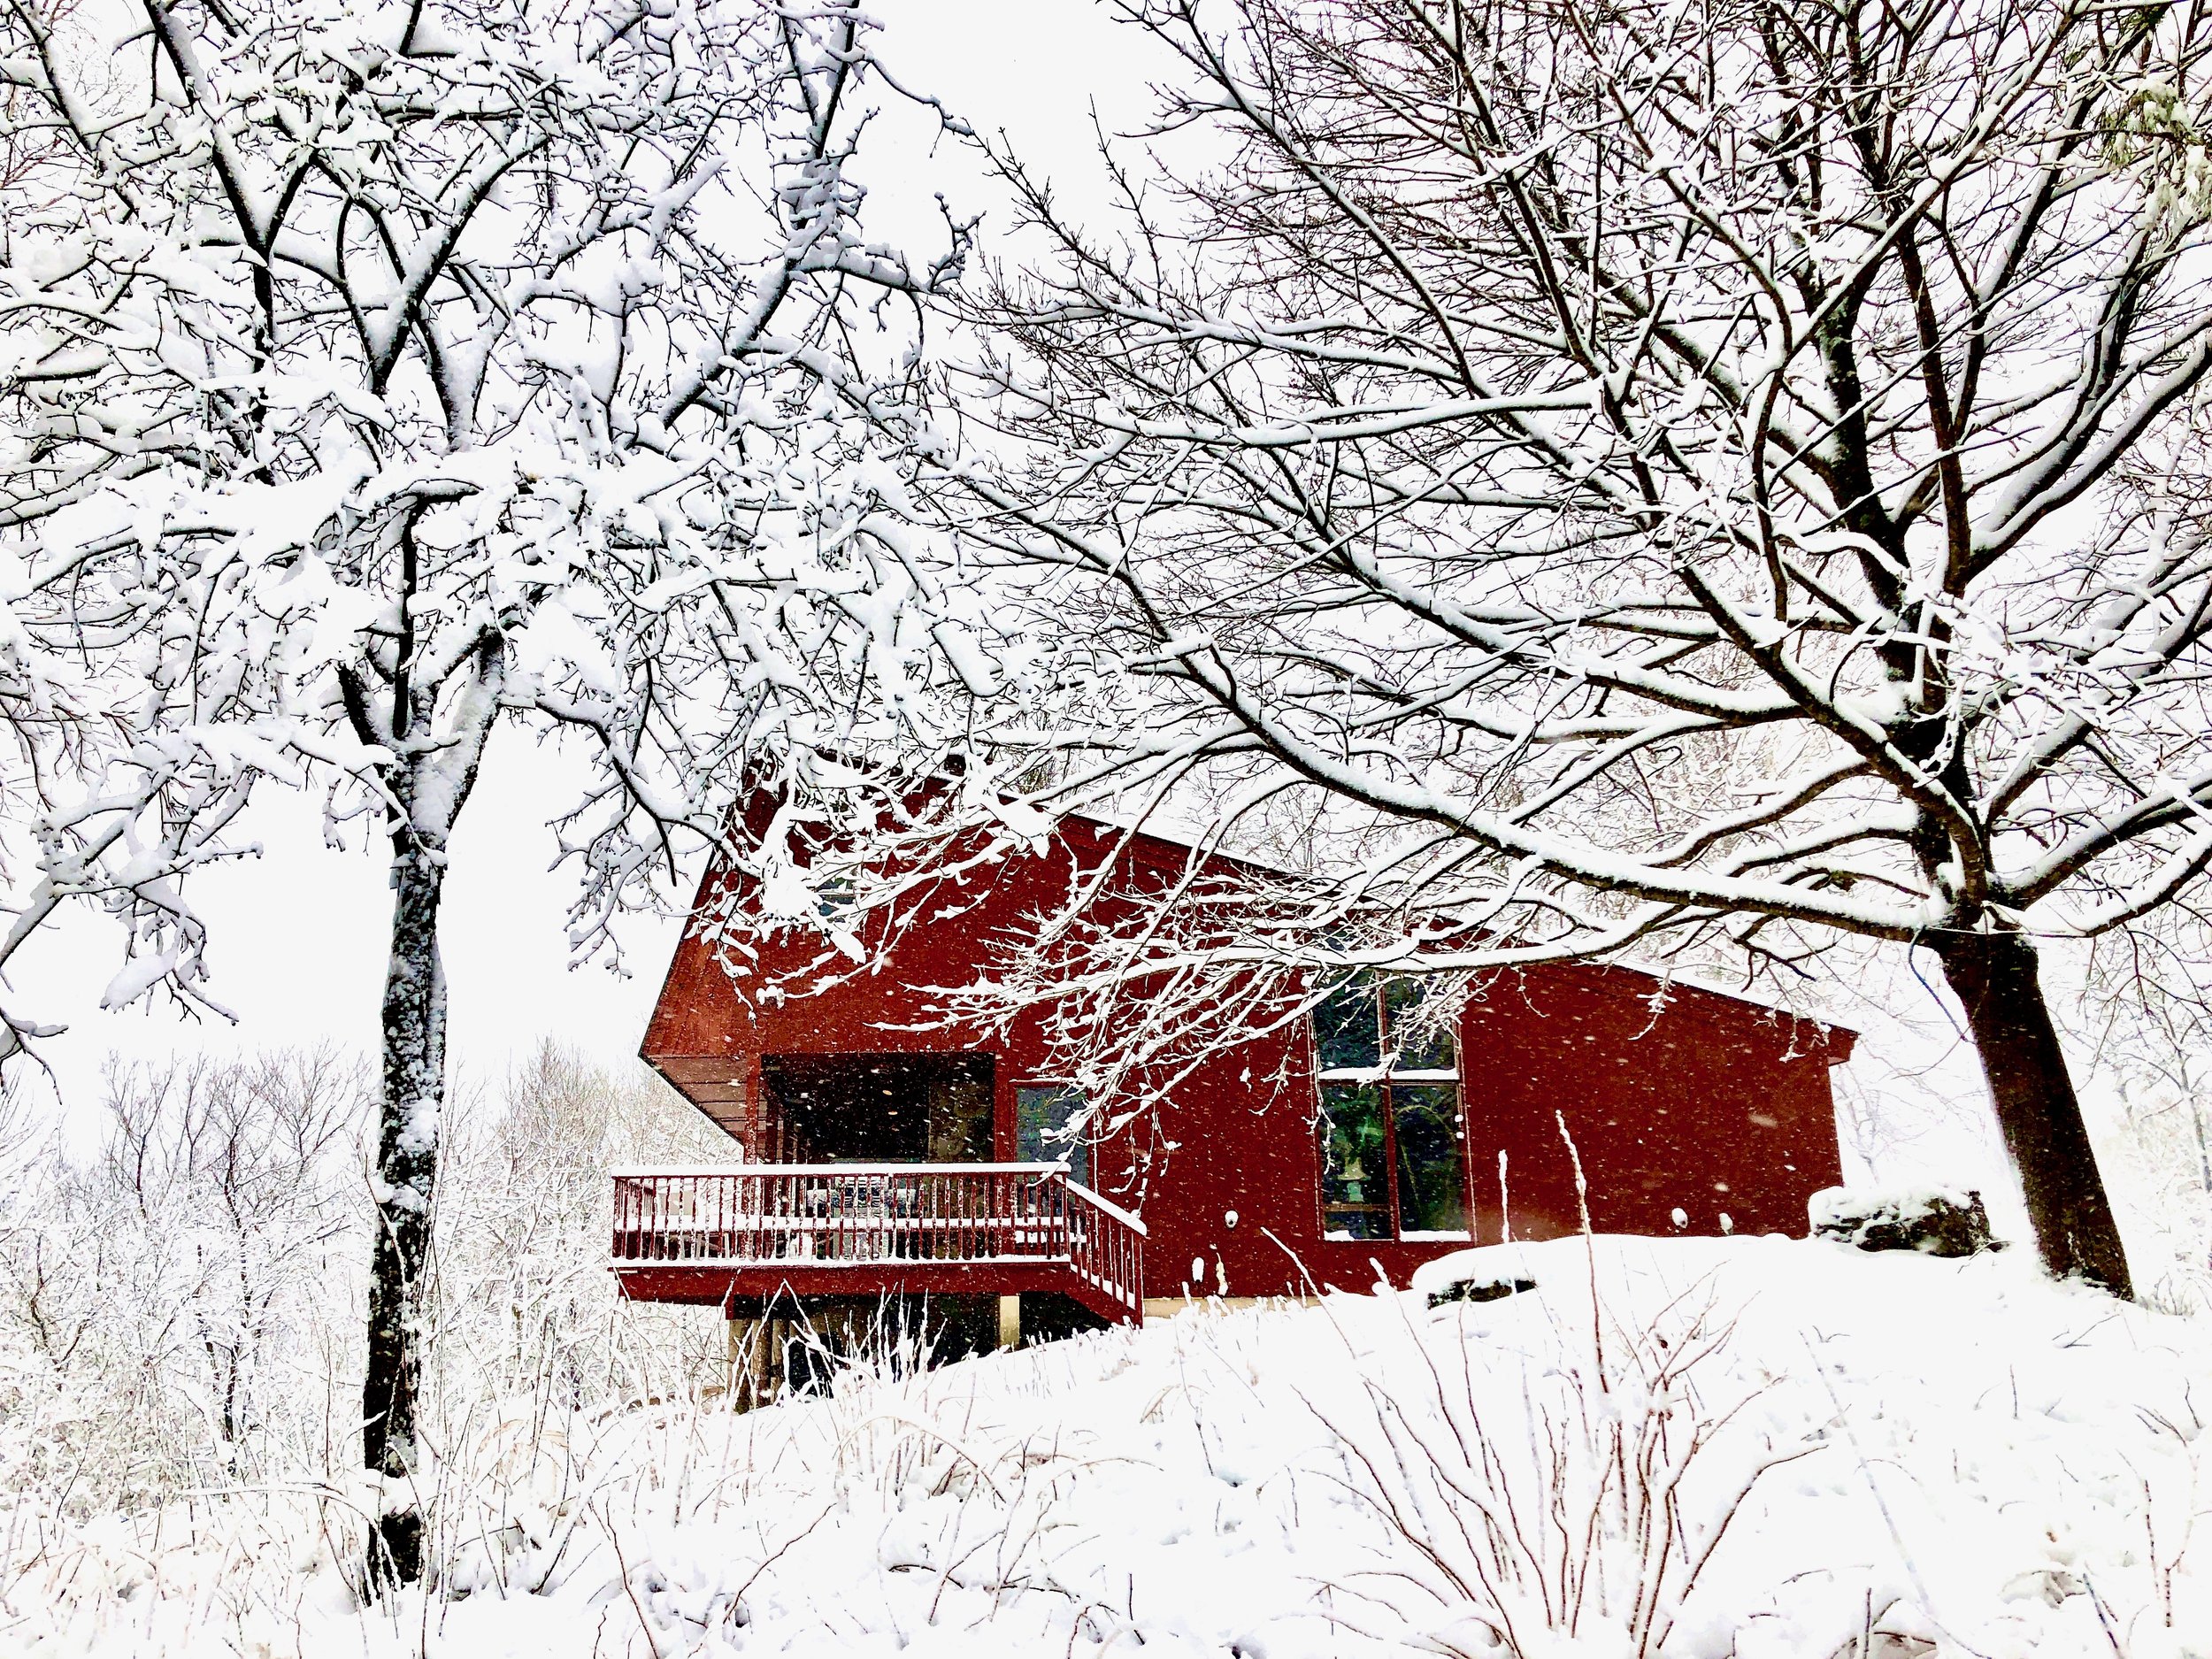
[(1996, 980), (406, 1164)]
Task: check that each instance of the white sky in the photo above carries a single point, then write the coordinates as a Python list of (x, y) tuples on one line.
[(298, 948), (299, 932)]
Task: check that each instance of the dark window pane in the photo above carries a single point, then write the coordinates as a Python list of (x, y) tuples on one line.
[(1346, 1032), (1042, 1110), (868, 1108), (1355, 1201), (960, 1113), (1431, 1168), (1421, 1045)]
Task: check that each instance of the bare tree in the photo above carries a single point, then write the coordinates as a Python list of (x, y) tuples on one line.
[(1635, 480), (525, 1303), (239, 1176), (164, 1303), (388, 375)]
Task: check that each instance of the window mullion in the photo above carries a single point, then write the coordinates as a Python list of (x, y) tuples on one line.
[(1390, 1158), (1389, 1111)]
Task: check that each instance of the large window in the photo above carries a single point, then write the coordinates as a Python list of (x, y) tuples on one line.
[(1041, 1113), (1394, 1162), (877, 1108)]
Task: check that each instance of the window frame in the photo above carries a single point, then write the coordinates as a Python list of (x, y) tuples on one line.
[(1386, 1077)]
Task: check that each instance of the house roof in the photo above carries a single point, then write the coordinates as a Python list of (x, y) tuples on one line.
[(1666, 977)]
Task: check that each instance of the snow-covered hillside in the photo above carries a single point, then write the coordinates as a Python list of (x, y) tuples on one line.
[(1754, 1447)]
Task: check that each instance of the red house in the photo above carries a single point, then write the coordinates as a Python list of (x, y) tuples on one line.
[(877, 1152)]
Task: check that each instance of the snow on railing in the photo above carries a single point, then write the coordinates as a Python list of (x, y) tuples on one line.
[(877, 1214), (841, 1168), (1106, 1243)]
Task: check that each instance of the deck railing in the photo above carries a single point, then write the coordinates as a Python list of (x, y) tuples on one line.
[(877, 1215)]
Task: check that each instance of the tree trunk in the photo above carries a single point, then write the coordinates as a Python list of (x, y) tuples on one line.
[(1994, 978), (407, 1166)]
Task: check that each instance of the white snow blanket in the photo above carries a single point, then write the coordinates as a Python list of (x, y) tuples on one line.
[(1747, 1446)]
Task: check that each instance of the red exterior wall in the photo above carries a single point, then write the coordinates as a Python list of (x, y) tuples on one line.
[(1709, 1105), (1704, 1103)]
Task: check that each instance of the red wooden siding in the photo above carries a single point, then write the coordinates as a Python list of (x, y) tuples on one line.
[(1706, 1105), (1710, 1104)]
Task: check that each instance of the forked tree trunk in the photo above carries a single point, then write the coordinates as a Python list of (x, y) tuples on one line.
[(1996, 980), (406, 1164)]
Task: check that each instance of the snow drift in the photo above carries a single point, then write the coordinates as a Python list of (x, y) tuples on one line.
[(1698, 1447)]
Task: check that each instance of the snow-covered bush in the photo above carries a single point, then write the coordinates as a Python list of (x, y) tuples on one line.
[(1585, 1508)]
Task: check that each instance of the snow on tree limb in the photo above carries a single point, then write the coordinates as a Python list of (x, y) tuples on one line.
[(375, 376), (1661, 489), (1675, 483)]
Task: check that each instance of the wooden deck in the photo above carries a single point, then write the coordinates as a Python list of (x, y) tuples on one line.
[(751, 1232)]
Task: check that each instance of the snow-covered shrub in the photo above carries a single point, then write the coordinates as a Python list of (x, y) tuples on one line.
[(1584, 1507)]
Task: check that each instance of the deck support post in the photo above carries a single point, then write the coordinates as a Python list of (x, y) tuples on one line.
[(743, 1368), (756, 1368), (1009, 1322)]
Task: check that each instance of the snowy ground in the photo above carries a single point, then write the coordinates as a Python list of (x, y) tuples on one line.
[(1757, 1448)]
